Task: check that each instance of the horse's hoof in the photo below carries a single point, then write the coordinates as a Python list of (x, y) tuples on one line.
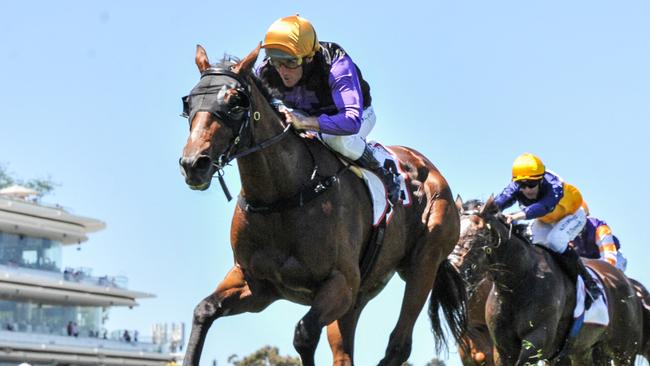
[(479, 357)]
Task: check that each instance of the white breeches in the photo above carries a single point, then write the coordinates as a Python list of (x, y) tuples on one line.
[(352, 146), (558, 235)]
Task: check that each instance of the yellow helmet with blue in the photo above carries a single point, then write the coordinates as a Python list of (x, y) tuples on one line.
[(291, 37), (527, 167)]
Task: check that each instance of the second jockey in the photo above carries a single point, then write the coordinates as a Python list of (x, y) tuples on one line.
[(596, 241), (321, 80), (556, 208)]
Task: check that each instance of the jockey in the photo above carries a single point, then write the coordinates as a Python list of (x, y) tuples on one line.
[(321, 80), (556, 208), (596, 241)]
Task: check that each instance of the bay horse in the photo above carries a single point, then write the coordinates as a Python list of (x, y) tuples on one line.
[(477, 348), (289, 243), (530, 309)]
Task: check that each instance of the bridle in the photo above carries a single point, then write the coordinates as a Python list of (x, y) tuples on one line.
[(488, 248), (238, 118)]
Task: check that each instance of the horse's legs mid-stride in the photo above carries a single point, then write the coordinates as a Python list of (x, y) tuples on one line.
[(234, 295), (419, 277), (331, 301), (340, 335)]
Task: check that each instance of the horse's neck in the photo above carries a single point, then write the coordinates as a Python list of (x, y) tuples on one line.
[(512, 263), (280, 169)]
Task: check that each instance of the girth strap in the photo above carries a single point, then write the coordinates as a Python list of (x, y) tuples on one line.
[(371, 253), (304, 196)]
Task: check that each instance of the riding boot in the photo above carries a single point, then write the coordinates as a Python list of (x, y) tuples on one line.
[(577, 268), (388, 174)]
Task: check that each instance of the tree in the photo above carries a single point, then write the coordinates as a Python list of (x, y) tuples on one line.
[(435, 362), (42, 185), (265, 356)]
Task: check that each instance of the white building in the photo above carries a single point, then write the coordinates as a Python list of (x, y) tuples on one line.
[(43, 306)]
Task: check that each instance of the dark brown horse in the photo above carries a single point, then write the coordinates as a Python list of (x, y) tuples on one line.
[(530, 308), (477, 349), (643, 296), (291, 244)]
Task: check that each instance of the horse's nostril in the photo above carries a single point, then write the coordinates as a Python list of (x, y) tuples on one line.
[(202, 163)]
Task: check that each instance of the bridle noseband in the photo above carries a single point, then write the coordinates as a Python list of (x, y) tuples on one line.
[(237, 119)]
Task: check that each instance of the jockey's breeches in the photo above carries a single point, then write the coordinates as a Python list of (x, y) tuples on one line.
[(556, 236), (352, 146)]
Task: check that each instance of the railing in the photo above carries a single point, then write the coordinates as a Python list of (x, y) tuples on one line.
[(83, 342), (78, 275)]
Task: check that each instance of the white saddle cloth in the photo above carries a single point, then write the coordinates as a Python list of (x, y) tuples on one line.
[(378, 192), (598, 312)]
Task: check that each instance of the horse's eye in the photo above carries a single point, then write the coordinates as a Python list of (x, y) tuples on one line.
[(236, 113), (233, 100)]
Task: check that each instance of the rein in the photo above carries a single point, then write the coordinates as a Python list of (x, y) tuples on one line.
[(246, 129), (234, 150), (489, 248)]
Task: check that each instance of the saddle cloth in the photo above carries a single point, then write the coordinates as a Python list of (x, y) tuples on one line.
[(378, 193), (597, 313)]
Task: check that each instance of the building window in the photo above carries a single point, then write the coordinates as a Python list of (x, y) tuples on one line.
[(28, 252)]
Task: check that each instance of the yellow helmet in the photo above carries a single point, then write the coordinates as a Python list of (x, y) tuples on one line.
[(293, 35), (527, 166)]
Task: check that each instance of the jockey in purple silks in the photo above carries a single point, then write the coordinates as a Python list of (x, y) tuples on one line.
[(556, 208), (320, 80), (596, 241)]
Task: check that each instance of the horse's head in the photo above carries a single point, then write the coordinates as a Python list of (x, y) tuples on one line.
[(219, 110), (481, 232)]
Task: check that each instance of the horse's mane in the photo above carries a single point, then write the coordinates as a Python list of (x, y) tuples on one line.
[(226, 62), (520, 230), (472, 205)]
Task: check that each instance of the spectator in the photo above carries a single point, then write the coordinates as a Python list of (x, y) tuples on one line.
[(69, 328), (126, 336), (75, 329), (135, 336)]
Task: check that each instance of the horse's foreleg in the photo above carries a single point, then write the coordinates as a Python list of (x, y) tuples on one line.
[(533, 346), (234, 295), (331, 301), (340, 335)]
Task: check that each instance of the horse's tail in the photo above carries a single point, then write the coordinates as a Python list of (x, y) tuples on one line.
[(449, 294), (643, 295)]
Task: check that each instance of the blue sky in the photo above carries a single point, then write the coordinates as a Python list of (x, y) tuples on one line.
[(90, 95)]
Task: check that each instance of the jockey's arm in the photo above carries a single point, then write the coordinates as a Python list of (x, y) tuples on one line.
[(606, 245), (506, 198), (348, 98)]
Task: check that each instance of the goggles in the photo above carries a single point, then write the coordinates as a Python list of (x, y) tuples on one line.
[(289, 63), (529, 183)]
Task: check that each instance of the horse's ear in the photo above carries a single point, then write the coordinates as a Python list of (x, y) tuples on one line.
[(247, 63), (489, 207), (459, 203), (201, 58)]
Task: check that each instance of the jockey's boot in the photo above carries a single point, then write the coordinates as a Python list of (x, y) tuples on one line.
[(576, 268), (389, 174)]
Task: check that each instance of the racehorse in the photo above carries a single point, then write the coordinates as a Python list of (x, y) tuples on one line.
[(530, 309), (477, 349), (303, 221), (643, 296)]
